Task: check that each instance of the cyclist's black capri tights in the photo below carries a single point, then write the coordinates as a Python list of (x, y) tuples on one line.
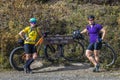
[(94, 46)]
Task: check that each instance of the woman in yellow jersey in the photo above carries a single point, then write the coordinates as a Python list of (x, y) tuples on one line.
[(29, 35)]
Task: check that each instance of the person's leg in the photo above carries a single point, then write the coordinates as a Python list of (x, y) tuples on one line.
[(89, 54), (96, 55), (28, 57), (34, 56), (97, 47)]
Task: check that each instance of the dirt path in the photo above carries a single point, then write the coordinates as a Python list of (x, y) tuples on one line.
[(76, 71)]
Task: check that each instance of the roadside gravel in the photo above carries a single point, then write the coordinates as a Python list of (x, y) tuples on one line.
[(76, 71)]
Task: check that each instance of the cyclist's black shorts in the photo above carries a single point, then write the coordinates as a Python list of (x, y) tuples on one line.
[(29, 48), (94, 46)]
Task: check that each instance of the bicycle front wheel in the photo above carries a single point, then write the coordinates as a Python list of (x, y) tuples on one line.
[(17, 58), (74, 51), (50, 52), (107, 55)]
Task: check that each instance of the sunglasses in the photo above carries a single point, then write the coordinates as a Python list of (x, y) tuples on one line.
[(33, 22), (91, 19)]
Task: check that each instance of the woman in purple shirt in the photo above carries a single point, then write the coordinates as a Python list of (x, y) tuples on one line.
[(95, 40)]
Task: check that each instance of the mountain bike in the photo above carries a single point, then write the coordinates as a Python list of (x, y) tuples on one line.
[(50, 48), (73, 50)]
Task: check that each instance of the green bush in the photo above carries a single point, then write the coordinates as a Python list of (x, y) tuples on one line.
[(61, 17)]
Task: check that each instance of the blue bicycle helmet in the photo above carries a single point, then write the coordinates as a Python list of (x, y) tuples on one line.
[(33, 20)]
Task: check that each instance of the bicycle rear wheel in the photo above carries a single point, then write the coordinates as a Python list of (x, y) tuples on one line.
[(74, 51), (17, 58), (107, 55)]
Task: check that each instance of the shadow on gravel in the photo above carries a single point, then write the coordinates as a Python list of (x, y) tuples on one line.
[(55, 68)]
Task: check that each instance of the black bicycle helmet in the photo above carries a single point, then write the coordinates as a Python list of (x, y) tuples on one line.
[(77, 35), (91, 17)]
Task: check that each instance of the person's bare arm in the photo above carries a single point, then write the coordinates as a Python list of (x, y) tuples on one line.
[(21, 33), (103, 33), (84, 31)]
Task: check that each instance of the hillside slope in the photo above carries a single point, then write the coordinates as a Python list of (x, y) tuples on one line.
[(59, 17)]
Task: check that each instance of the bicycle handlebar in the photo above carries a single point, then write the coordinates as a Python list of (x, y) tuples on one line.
[(45, 33)]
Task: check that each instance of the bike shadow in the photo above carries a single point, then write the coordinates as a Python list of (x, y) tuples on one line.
[(55, 68)]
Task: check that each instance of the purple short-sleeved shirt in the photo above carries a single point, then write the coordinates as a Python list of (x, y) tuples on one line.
[(94, 32)]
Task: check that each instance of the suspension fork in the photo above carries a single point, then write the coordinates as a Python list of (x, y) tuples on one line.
[(61, 50)]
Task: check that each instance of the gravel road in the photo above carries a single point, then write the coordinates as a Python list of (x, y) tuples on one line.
[(76, 71)]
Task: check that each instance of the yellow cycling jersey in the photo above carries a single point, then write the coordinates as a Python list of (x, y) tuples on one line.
[(30, 34)]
